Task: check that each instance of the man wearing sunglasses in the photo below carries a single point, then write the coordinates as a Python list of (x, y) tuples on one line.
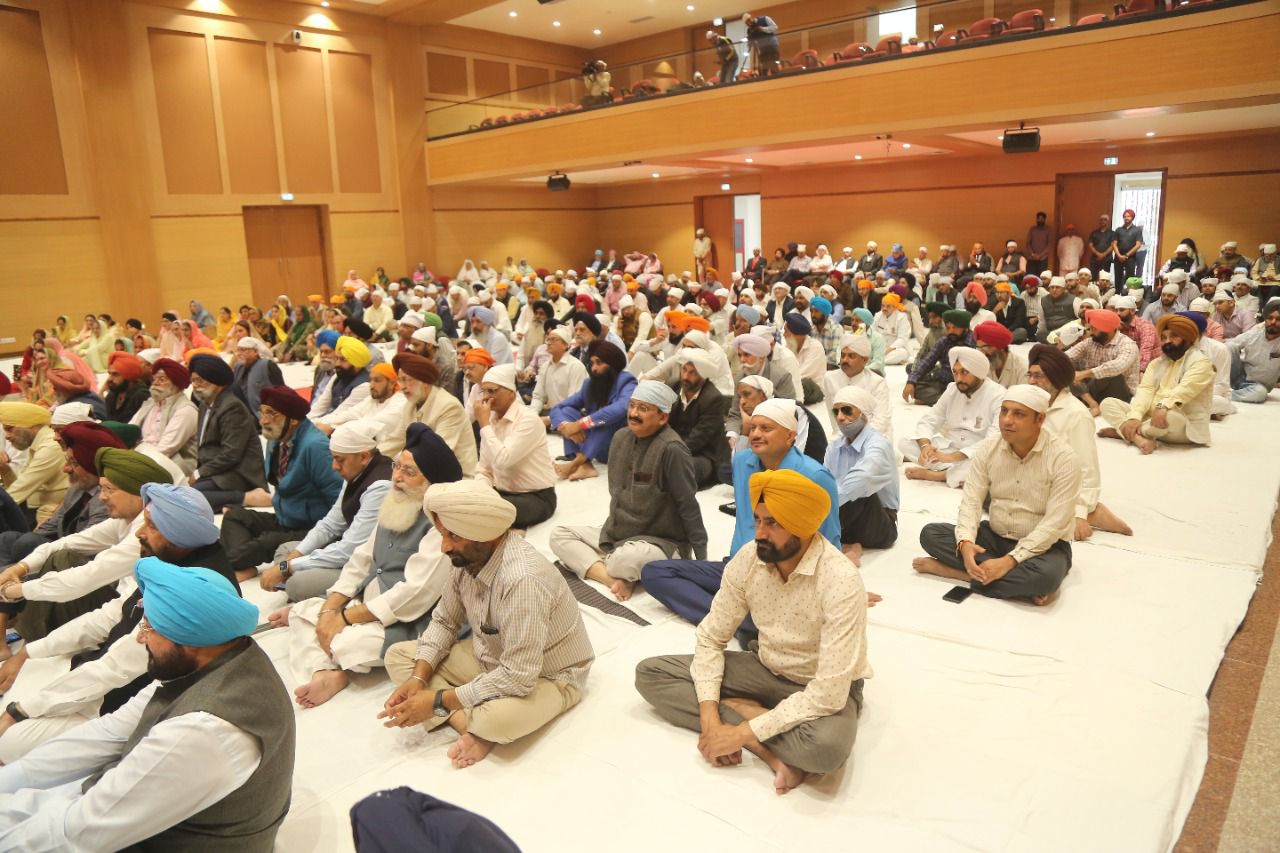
[(866, 471)]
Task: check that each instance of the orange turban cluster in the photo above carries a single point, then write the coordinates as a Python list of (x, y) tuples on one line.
[(479, 355), (126, 364), (799, 504), (682, 321)]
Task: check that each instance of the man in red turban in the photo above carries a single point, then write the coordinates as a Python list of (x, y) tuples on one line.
[(125, 389), (993, 340)]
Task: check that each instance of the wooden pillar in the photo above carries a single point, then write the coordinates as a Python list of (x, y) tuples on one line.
[(408, 94), (118, 169)]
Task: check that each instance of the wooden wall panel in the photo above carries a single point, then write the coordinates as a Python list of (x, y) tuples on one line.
[(1212, 209), (184, 103), (37, 259), (303, 119), (447, 74), (533, 84), (363, 241), (354, 122), (666, 229), (550, 238), (491, 78), (245, 96), (202, 258), (30, 139)]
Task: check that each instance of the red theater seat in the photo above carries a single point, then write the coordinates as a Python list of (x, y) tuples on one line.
[(987, 28), (1029, 21)]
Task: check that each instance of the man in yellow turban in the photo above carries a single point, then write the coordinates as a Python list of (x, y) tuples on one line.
[(793, 703), (350, 384), (32, 494)]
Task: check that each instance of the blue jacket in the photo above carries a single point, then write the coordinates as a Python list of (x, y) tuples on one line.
[(310, 485), (746, 463), (614, 412)]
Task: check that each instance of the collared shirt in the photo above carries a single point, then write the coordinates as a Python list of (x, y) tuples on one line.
[(1039, 239), (1033, 499), (813, 631), (746, 463), (332, 541), (1144, 335), (539, 630), (385, 416), (894, 327), (1069, 420), (44, 808), (1238, 323), (557, 380), (1128, 236), (41, 481), (1260, 354), (1014, 371), (870, 381), (1117, 357), (513, 452), (959, 421), (864, 466), (167, 426)]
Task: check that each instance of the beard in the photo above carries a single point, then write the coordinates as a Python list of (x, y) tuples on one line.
[(162, 394), (972, 307), (599, 386), (175, 664), (400, 510), (767, 552)]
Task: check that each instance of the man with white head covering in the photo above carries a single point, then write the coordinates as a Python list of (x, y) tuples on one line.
[(528, 656), (1170, 295), (948, 435), (432, 344), (1031, 480), (1266, 270), (866, 471), (560, 377), (1229, 316), (217, 718), (780, 303), (309, 567), (653, 508), (513, 449), (855, 352), (870, 263), (699, 413), (254, 371)]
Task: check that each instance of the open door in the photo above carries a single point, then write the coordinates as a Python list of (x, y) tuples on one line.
[(1081, 199)]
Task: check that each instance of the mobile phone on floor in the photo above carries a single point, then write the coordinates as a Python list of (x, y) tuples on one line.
[(957, 594)]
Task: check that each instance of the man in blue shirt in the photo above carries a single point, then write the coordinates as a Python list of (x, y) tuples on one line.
[(864, 465), (688, 586)]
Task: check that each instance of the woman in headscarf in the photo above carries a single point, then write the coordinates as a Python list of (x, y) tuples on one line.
[(36, 387), (95, 344), (223, 328), (194, 338), (294, 346), (61, 329), (279, 313), (68, 358), (486, 273), (201, 317), (172, 344), (468, 274), (143, 341), (379, 278)]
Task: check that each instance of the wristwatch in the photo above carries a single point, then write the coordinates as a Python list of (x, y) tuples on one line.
[(283, 566), (437, 707), (14, 711)]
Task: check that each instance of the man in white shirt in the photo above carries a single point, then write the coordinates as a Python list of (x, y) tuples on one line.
[(378, 316), (1032, 480), (513, 449), (894, 326), (1070, 250), (855, 352), (559, 378), (168, 419), (383, 410), (947, 435)]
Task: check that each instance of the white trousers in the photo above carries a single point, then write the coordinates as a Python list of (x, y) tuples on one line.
[(956, 471), (356, 648)]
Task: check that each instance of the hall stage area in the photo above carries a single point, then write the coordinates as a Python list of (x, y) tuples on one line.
[(988, 726)]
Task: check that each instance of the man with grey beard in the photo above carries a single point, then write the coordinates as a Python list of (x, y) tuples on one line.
[(168, 420), (388, 588)]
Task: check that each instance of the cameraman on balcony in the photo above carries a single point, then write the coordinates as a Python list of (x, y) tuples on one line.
[(762, 34), (597, 78)]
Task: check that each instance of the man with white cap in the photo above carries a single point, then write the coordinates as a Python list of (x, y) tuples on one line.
[(779, 305), (527, 659), (1137, 329), (202, 755), (866, 471), (1166, 304), (847, 263), (1031, 480), (254, 371), (1266, 269), (1228, 259), (947, 436), (378, 316), (855, 352), (653, 508), (410, 322), (1229, 316), (514, 458), (698, 415), (431, 343), (1243, 288), (560, 377), (1255, 358), (870, 263)]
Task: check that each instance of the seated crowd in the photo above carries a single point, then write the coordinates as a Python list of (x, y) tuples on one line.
[(389, 499)]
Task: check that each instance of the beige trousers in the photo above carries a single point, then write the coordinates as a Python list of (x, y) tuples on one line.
[(1115, 412), (497, 721)]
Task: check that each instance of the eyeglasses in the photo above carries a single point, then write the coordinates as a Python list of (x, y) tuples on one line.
[(1035, 374), (847, 411), (407, 470)]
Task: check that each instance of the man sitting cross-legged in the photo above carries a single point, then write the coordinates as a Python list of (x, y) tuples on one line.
[(590, 418), (653, 507), (528, 656), (966, 413), (1032, 480), (386, 590), (514, 458), (795, 702), (866, 472)]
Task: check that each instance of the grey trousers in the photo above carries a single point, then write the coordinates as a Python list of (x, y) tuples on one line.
[(1040, 575), (579, 548), (818, 746), (310, 583)]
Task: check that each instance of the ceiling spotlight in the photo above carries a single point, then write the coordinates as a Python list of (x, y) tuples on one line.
[(857, 156), (1151, 133), (906, 145), (513, 13), (595, 32), (555, 23), (725, 187), (688, 8), (656, 175), (324, 3), (748, 160)]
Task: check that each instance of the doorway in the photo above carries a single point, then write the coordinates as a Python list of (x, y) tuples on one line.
[(746, 228), (1141, 192), (286, 252)]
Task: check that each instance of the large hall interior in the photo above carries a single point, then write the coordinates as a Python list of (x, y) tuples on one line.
[(299, 297)]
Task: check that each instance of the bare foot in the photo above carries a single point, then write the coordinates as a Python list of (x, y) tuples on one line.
[(1045, 600), (874, 598), (1083, 530), (930, 566), (321, 688), (787, 778), (1109, 432), (585, 472), (1104, 519), (468, 749), (1095, 411), (567, 467), (926, 474), (257, 497), (854, 552), (1144, 444), (279, 618), (622, 589)]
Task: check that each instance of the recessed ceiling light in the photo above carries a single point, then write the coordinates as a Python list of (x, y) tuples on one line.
[(718, 22), (1151, 133), (555, 23), (656, 175), (748, 160), (595, 32), (513, 13), (725, 187), (688, 8), (857, 156), (906, 145)]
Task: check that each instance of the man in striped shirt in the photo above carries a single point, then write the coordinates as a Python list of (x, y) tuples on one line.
[(1032, 479)]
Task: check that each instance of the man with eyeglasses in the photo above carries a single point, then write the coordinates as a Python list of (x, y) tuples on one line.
[(514, 458), (108, 666), (866, 471), (653, 507), (168, 418), (386, 591)]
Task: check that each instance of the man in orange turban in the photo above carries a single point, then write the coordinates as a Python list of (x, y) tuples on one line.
[(124, 391), (1106, 361), (795, 702)]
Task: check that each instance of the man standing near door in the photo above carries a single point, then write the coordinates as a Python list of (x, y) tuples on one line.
[(1128, 244), (1039, 245), (1102, 244)]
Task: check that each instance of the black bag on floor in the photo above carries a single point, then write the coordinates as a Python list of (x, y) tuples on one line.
[(403, 819)]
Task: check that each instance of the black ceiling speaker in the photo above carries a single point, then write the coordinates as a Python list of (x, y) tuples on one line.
[(1024, 140), (559, 182)]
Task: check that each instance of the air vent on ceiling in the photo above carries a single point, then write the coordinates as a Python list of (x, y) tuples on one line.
[(641, 20)]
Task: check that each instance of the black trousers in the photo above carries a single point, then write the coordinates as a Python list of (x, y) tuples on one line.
[(531, 507), (1037, 576), (1101, 389), (729, 70), (251, 538), (866, 522), (15, 518)]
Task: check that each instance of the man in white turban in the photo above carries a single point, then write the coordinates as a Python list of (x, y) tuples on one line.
[(855, 353), (966, 413), (1031, 479), (698, 416), (866, 471), (528, 655)]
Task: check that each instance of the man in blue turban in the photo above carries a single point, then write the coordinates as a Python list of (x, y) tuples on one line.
[(217, 718)]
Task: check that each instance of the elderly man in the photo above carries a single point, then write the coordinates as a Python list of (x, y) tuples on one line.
[(1030, 480), (894, 326), (1137, 329), (387, 589), (1266, 269), (228, 454), (254, 371), (1175, 398), (36, 490), (313, 565), (481, 322), (793, 702), (168, 419), (698, 416), (1106, 361), (855, 351), (866, 471), (300, 468), (1058, 308), (108, 667), (653, 508), (217, 718), (112, 544), (948, 435), (589, 419), (528, 656), (687, 586), (125, 389), (1008, 367), (1069, 419), (560, 376), (924, 391), (1255, 359), (435, 407), (350, 383), (871, 262), (513, 449), (757, 357), (1227, 315)]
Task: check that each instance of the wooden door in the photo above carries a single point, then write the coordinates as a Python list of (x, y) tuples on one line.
[(717, 218), (1081, 199), (267, 276), (302, 247)]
